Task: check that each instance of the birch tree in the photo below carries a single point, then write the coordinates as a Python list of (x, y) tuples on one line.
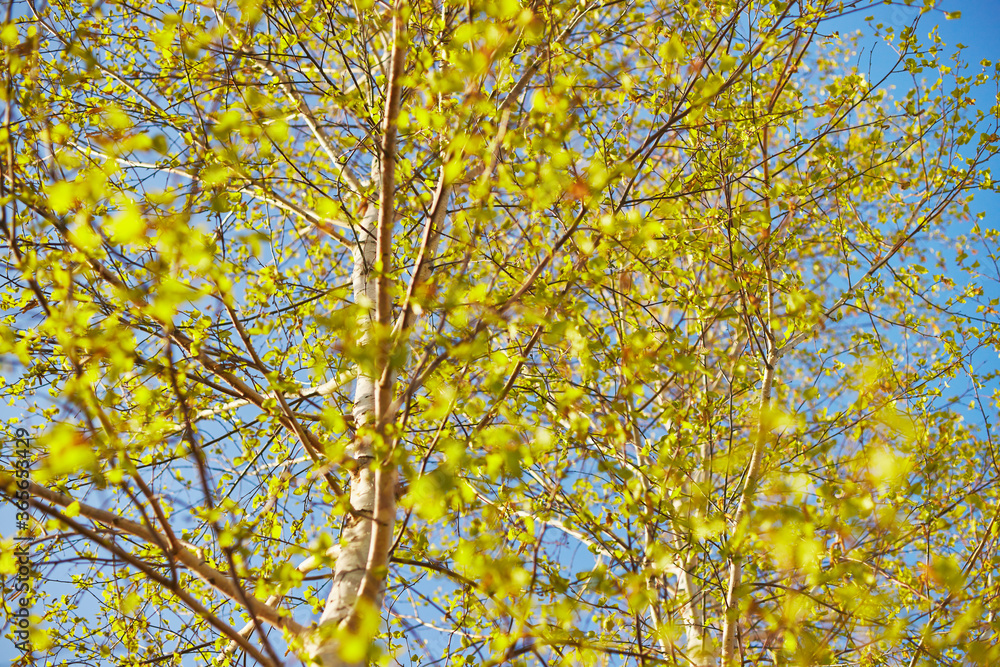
[(508, 332)]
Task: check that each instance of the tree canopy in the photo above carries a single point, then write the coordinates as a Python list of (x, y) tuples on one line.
[(499, 332)]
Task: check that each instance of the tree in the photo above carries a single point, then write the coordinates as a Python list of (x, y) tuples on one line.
[(499, 333)]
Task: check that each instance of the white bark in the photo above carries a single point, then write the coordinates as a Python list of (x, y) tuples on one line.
[(356, 539), (696, 645), (360, 575), (689, 593), (730, 628), (688, 590)]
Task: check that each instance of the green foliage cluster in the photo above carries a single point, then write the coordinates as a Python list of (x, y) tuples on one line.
[(690, 338)]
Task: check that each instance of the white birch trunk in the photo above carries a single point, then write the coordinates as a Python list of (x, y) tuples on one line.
[(360, 574), (356, 539), (696, 645), (688, 592)]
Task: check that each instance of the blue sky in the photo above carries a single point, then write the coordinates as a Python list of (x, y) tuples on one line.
[(977, 28)]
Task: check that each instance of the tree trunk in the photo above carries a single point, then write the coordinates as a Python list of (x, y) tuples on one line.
[(356, 539), (359, 577)]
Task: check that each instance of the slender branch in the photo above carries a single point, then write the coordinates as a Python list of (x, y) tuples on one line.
[(324, 389), (174, 587), (305, 567), (188, 555)]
